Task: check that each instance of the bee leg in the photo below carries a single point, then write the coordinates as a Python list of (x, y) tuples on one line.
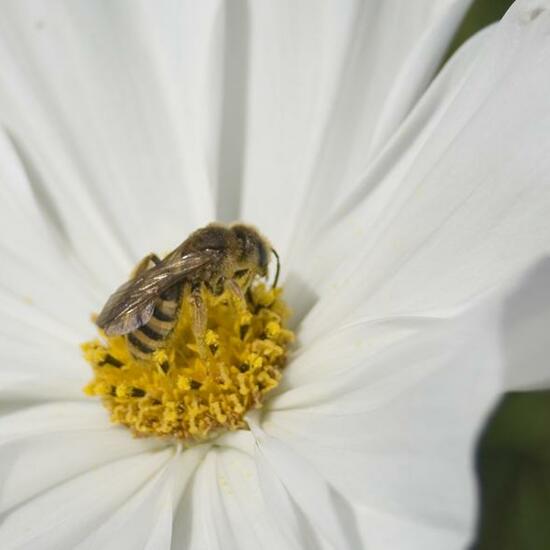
[(248, 282), (237, 292), (242, 306), (199, 318), (145, 264)]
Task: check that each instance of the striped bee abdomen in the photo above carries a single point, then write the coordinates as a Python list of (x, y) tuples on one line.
[(151, 336)]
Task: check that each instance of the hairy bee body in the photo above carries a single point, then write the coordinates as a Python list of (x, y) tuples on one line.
[(213, 258)]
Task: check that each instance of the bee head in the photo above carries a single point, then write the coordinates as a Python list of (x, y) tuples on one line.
[(253, 248)]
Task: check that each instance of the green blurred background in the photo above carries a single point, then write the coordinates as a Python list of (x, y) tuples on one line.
[(513, 463), (481, 14), (513, 454)]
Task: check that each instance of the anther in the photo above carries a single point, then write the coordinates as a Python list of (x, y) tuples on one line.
[(243, 367), (110, 360)]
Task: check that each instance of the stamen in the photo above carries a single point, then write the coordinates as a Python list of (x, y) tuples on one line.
[(185, 392)]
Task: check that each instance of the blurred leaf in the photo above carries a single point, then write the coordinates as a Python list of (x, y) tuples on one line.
[(480, 14), (513, 466)]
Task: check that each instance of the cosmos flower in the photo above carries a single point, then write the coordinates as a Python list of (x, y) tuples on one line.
[(407, 216)]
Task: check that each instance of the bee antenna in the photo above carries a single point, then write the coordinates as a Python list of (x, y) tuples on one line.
[(278, 268)]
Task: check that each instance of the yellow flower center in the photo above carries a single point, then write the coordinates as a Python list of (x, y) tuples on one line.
[(191, 394)]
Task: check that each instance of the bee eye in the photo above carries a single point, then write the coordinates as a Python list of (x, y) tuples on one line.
[(240, 273), (262, 255)]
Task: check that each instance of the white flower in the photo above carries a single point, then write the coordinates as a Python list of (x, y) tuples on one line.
[(126, 125)]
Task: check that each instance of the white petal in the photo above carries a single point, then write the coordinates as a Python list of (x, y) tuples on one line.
[(236, 482), (46, 445), (284, 511), (524, 331), (393, 426), (64, 515), (460, 207), (101, 102), (203, 514), (226, 508), (45, 298), (40, 359), (325, 89), (348, 360), (383, 530), (39, 271), (145, 520), (238, 502), (41, 374), (331, 519), (135, 524), (35, 362)]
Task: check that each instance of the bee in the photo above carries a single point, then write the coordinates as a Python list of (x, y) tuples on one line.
[(214, 258)]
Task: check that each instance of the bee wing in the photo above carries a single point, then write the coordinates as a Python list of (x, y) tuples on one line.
[(132, 305)]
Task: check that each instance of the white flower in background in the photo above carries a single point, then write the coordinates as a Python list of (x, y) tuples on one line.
[(400, 221)]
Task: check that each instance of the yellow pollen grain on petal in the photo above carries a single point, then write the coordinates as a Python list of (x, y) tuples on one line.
[(184, 391)]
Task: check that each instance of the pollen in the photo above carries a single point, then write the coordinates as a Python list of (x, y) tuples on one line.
[(193, 392)]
